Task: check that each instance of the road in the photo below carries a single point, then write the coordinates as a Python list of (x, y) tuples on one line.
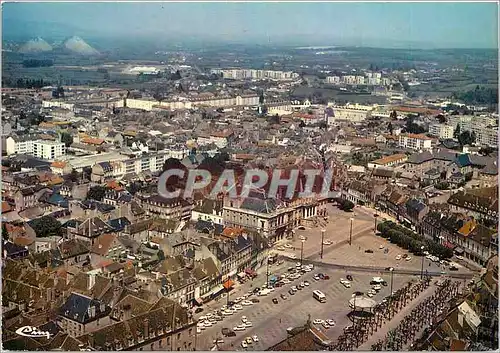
[(270, 321)]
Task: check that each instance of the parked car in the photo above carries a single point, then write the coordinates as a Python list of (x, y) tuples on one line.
[(283, 296), (275, 301), (349, 277), (369, 251), (198, 310), (244, 344)]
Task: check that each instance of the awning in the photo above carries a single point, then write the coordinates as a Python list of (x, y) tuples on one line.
[(228, 284), (449, 245), (250, 272), (198, 301), (214, 290)]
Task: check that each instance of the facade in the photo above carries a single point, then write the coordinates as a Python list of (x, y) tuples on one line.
[(389, 161), (441, 131), (31, 146), (485, 127), (352, 113), (417, 142), (242, 74), (217, 102)]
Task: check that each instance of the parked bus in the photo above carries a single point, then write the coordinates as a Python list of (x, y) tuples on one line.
[(319, 296)]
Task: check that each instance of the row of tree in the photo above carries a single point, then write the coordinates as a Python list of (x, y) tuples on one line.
[(344, 204), (25, 83), (38, 63), (480, 95), (412, 241)]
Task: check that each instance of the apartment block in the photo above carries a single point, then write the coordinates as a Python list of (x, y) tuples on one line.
[(417, 142), (442, 131)]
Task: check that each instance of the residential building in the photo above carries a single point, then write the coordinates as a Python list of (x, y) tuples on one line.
[(388, 161), (442, 131), (45, 149), (417, 142)]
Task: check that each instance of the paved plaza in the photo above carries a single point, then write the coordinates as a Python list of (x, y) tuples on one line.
[(270, 321)]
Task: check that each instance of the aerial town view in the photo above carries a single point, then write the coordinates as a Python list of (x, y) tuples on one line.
[(249, 176)]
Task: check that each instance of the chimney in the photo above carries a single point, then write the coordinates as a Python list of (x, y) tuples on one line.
[(91, 281), (146, 328)]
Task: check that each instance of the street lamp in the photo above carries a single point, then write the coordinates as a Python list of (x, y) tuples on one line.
[(375, 228), (350, 232), (301, 251), (423, 257), (322, 241), (267, 272), (392, 277)]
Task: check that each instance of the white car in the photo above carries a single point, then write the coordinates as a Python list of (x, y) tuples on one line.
[(398, 257), (306, 283), (288, 246), (301, 237), (198, 329), (377, 287), (408, 258), (317, 321), (209, 315), (293, 256), (311, 266), (327, 242), (248, 324), (255, 338), (227, 312), (316, 278), (244, 319), (347, 284), (330, 322), (325, 325), (239, 328), (202, 318), (280, 248), (298, 264), (381, 247), (244, 344), (238, 307), (286, 281), (306, 269), (207, 324), (370, 295)]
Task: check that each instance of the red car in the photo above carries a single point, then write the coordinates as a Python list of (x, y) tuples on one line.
[(326, 277)]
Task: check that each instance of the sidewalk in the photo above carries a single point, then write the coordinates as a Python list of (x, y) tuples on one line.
[(382, 331)]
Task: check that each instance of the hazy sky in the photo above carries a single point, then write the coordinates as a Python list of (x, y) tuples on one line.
[(458, 25)]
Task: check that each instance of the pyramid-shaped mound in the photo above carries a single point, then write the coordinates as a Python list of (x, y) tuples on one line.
[(77, 45), (36, 45)]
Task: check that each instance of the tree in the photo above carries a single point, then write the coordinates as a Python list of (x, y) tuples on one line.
[(302, 123), (441, 118), (456, 133), (161, 255), (67, 139), (97, 193), (466, 138), (261, 98), (347, 205), (390, 128), (5, 233), (46, 226), (73, 176), (394, 115)]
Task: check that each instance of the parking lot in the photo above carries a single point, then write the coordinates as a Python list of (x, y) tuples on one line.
[(270, 321)]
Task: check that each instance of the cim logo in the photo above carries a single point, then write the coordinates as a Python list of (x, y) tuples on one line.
[(33, 332)]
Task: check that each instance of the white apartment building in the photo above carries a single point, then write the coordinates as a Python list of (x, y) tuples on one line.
[(417, 142), (360, 80), (485, 127), (48, 149), (242, 74), (335, 80), (349, 79), (374, 81), (441, 130), (28, 145)]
